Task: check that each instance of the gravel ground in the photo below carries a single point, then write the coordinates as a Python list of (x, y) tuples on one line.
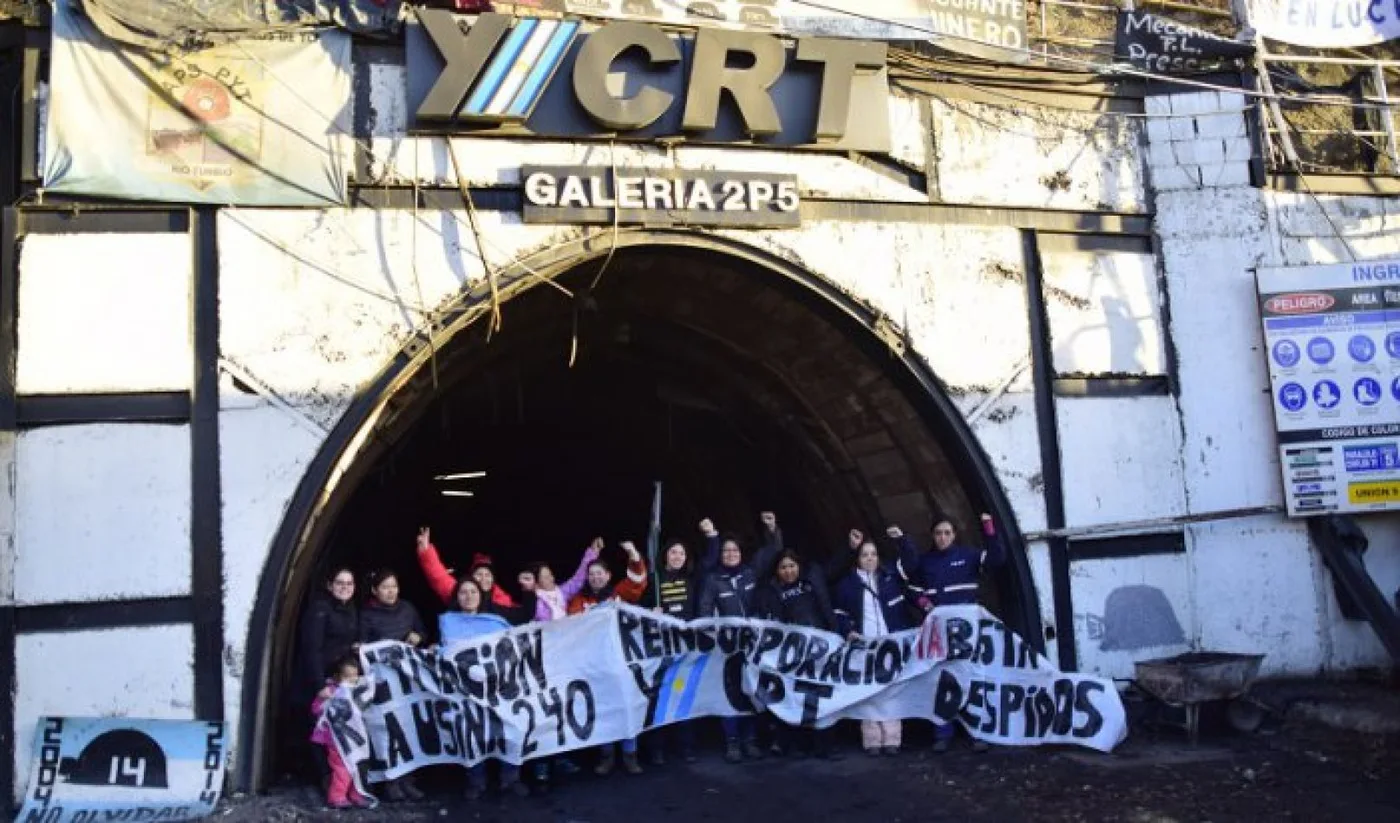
[(1293, 771)]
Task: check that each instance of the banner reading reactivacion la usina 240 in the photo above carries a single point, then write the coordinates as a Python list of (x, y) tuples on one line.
[(618, 671)]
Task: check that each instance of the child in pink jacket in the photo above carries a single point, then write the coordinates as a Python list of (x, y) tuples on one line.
[(341, 794)]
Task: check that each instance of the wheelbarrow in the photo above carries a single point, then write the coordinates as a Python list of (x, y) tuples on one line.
[(1189, 680)]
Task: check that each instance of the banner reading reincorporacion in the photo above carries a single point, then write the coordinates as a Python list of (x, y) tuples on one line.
[(618, 670)]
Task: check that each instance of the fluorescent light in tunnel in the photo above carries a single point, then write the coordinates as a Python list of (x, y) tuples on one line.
[(451, 493), (460, 476)]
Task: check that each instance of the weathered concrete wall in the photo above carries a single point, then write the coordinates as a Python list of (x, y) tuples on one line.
[(103, 514), (104, 312), (1007, 154), (1257, 585), (1104, 309), (1129, 610)]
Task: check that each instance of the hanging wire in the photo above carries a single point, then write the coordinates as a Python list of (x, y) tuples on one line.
[(413, 258), (464, 187)]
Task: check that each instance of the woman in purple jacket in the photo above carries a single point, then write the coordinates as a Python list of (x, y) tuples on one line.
[(551, 598)]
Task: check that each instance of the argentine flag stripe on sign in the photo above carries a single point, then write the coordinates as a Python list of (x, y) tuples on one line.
[(678, 689)]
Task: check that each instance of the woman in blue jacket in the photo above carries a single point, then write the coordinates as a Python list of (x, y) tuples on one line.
[(467, 616), (870, 603)]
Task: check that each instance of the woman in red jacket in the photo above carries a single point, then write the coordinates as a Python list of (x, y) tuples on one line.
[(597, 590), (444, 584)]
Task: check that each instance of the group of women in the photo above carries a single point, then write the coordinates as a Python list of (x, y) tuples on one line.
[(860, 595)]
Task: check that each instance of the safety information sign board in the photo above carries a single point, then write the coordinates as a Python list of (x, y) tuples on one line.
[(1332, 339)]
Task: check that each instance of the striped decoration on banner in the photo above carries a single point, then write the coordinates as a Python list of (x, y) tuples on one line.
[(678, 689), (516, 76)]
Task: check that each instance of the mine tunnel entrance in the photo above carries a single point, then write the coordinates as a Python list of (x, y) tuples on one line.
[(739, 389)]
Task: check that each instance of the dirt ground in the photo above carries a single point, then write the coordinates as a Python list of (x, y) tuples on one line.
[(1283, 772)]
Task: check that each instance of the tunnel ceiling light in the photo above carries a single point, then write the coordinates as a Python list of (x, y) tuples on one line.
[(451, 493), (460, 476)]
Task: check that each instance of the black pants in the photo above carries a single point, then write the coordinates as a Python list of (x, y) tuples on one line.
[(796, 739)]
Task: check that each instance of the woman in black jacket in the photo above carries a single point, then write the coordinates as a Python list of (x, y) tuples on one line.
[(330, 630), (789, 597), (730, 589), (870, 603), (676, 596), (679, 589), (329, 633), (386, 617)]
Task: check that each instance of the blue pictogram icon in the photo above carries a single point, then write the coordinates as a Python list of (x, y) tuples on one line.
[(1392, 344), (1362, 348), (1293, 396), (1286, 353), (1326, 394), (1321, 351), (1395, 388), (1367, 391)]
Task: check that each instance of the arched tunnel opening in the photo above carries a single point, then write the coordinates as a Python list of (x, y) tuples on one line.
[(739, 390)]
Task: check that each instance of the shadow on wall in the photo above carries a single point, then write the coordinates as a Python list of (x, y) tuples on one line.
[(1127, 347), (1134, 617)]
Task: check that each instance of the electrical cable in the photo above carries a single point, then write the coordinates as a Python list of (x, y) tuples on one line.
[(1097, 68), (417, 284)]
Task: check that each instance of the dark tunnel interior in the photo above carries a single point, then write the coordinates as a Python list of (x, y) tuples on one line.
[(737, 389), (738, 397)]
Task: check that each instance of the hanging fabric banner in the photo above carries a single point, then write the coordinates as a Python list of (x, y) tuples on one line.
[(619, 670), (1325, 24), (1161, 45), (256, 122)]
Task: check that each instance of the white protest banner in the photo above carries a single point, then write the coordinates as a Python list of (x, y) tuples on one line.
[(259, 122), (121, 768), (1326, 24), (618, 670)]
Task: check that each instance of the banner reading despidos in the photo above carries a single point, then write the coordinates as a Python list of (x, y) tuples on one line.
[(619, 670)]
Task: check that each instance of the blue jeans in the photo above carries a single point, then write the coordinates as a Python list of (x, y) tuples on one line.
[(738, 728)]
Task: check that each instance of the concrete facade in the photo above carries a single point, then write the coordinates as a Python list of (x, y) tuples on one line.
[(314, 303)]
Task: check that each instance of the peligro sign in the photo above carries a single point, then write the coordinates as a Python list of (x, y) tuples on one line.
[(637, 81)]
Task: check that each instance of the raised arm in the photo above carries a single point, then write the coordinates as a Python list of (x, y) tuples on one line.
[(993, 550), (440, 580), (710, 561), (634, 585), (772, 545), (574, 584), (906, 558)]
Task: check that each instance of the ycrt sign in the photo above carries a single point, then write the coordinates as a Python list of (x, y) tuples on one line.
[(636, 81)]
